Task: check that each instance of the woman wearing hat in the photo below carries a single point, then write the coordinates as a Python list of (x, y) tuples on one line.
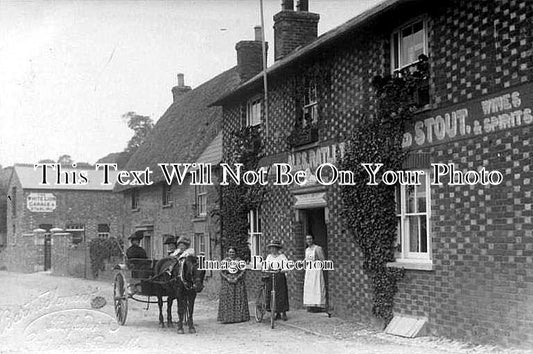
[(170, 241), (135, 250), (278, 261)]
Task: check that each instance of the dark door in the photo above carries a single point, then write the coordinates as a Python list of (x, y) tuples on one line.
[(47, 246)]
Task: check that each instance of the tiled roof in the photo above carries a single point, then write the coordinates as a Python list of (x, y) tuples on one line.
[(31, 178), (186, 129)]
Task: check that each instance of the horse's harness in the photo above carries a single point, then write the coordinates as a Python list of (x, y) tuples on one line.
[(188, 285)]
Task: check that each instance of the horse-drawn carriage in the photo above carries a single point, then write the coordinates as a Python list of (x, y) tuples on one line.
[(147, 277)]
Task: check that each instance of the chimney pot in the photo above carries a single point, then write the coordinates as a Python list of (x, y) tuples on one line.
[(180, 89), (287, 5), (258, 33), (181, 80), (302, 5)]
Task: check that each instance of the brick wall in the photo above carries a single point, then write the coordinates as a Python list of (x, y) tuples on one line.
[(25, 251), (481, 287)]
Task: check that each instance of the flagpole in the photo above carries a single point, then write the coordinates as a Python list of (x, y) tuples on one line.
[(265, 85)]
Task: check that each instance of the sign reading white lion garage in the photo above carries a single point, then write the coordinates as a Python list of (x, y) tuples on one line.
[(41, 202)]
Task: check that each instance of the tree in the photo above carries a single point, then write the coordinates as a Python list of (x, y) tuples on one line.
[(65, 160), (141, 125)]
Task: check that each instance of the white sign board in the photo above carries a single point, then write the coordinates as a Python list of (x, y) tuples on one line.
[(41, 202)]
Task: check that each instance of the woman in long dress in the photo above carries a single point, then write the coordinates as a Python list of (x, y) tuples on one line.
[(278, 261), (314, 284), (233, 301)]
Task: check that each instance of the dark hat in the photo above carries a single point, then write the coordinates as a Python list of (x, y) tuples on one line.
[(169, 239), (275, 243), (185, 240), (137, 235)]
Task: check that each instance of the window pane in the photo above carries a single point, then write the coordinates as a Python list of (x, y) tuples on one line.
[(413, 227), (410, 199), (423, 235), (398, 247), (421, 195), (398, 198), (412, 43)]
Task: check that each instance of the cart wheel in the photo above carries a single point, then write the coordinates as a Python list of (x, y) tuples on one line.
[(120, 299), (260, 307)]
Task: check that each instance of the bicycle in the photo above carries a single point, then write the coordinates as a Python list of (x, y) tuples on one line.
[(260, 302)]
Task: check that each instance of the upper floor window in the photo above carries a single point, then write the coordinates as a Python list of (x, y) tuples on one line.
[(408, 43), (255, 232), (134, 198), (201, 200), (253, 112), (413, 211), (166, 194), (309, 115), (103, 231)]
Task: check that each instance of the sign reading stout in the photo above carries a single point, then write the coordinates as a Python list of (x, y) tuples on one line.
[(506, 110), (41, 202)]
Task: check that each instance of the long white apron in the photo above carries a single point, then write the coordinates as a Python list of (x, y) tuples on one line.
[(314, 284)]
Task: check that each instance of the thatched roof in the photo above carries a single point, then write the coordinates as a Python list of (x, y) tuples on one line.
[(186, 129)]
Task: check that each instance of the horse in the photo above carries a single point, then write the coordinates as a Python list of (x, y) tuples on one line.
[(165, 284), (185, 281), (190, 281)]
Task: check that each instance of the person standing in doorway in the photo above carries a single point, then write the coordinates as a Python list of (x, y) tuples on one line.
[(314, 283)]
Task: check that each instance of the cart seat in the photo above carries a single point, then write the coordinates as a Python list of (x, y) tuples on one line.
[(141, 268)]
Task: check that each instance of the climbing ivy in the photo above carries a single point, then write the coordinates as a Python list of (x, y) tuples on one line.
[(370, 211), (102, 249), (244, 147)]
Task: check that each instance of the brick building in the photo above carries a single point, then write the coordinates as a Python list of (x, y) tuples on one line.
[(188, 132), (467, 250), (50, 225)]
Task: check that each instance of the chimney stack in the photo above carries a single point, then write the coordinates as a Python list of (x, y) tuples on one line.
[(293, 29), (181, 89), (250, 56)]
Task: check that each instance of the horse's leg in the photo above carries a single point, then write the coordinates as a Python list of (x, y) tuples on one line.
[(160, 305), (190, 298), (170, 299), (181, 309)]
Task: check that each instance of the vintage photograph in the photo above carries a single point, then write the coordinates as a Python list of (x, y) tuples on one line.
[(266, 176)]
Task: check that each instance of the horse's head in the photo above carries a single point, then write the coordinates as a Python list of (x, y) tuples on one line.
[(192, 275)]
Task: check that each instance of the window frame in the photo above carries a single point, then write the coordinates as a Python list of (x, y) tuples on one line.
[(396, 43), (403, 236), (255, 232), (200, 197), (103, 234), (134, 199), (196, 244), (251, 119), (309, 105), (166, 197), (75, 229)]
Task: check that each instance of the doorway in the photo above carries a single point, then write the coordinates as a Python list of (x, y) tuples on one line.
[(314, 223)]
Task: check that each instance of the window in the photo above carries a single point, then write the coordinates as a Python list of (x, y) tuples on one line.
[(413, 211), (310, 104), (254, 232), (167, 194), (253, 112), (103, 231), (134, 199), (408, 43), (14, 201), (77, 231), (201, 200), (200, 243)]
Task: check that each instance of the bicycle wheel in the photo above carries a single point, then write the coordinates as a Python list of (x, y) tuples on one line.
[(260, 307)]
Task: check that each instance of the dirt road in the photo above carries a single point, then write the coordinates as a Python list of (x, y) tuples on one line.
[(44, 313)]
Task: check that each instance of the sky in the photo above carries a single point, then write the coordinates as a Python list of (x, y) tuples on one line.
[(70, 69)]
